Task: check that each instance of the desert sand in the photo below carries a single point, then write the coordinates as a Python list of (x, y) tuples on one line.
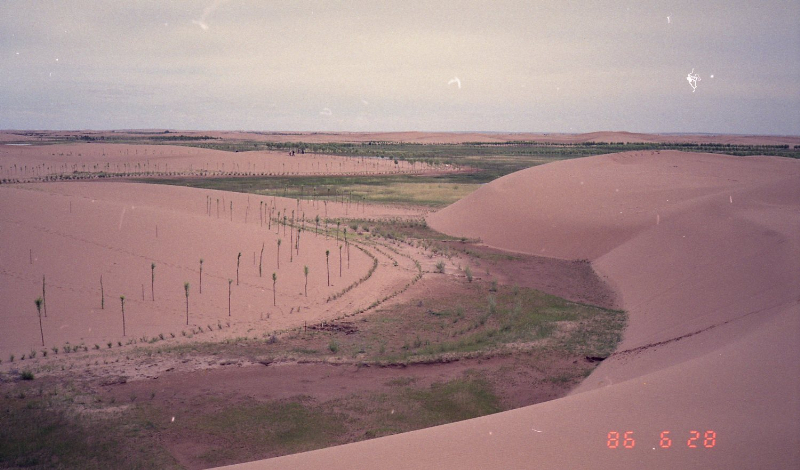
[(704, 254), (21, 163), (73, 233)]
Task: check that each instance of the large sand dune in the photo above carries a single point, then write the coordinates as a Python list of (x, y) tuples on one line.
[(74, 233), (704, 252)]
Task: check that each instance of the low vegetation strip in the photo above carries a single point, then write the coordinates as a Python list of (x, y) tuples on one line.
[(554, 341)]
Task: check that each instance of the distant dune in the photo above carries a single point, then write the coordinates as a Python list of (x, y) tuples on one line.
[(704, 252), (419, 137)]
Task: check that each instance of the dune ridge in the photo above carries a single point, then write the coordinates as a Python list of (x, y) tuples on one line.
[(704, 252)]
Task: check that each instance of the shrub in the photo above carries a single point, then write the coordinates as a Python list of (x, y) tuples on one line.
[(26, 375), (333, 346), (440, 267), (468, 272), (492, 304)]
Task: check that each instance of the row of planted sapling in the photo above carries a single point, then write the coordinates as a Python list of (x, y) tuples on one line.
[(289, 223), (14, 173), (41, 304)]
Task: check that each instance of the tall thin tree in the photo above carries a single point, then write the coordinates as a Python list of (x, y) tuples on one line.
[(260, 259), (305, 271), (328, 265), (340, 260), (274, 281), (102, 295), (238, 258), (186, 289), (122, 301), (347, 247), (230, 281), (39, 301), (279, 253), (201, 275), (153, 282)]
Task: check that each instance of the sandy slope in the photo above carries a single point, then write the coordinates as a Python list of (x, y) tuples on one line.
[(704, 251), (22, 162), (74, 233)]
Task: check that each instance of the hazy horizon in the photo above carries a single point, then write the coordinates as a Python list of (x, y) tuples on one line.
[(315, 66)]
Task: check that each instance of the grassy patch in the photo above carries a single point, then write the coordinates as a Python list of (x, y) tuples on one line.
[(452, 401), (39, 429), (257, 430), (474, 318), (389, 189)]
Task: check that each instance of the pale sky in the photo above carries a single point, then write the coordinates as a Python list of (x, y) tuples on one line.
[(314, 65)]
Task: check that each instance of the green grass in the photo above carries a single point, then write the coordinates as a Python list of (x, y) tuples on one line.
[(39, 430), (452, 401), (475, 318), (390, 189), (268, 428)]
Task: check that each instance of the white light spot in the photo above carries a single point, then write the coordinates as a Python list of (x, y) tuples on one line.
[(173, 419), (455, 80), (326, 112), (668, 20), (207, 11), (712, 76), (693, 79)]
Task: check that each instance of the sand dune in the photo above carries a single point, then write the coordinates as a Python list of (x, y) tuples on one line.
[(74, 233), (27, 162), (704, 252), (416, 137)]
